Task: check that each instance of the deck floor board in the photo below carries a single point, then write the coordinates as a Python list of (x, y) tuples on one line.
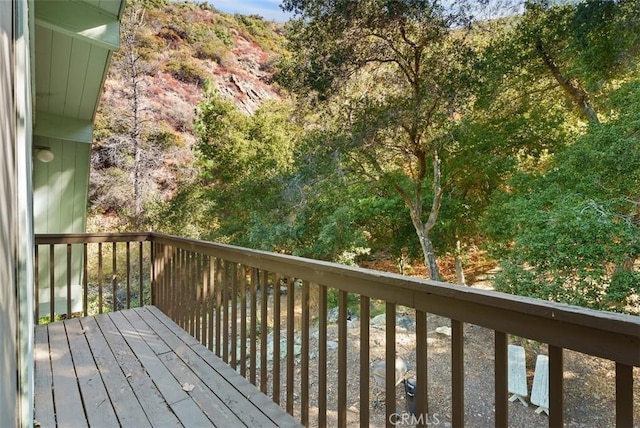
[(121, 397), (67, 394), (92, 387), (43, 379), (142, 383), (136, 368), (184, 347)]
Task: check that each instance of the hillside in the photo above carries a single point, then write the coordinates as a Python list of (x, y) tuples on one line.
[(169, 52)]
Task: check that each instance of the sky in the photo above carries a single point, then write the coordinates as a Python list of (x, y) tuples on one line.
[(268, 9)]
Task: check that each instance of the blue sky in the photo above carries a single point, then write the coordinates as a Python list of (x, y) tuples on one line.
[(268, 9)]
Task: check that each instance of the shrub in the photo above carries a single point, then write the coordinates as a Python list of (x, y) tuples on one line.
[(187, 71), (212, 49)]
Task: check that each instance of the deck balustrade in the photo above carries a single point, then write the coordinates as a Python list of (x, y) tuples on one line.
[(250, 307)]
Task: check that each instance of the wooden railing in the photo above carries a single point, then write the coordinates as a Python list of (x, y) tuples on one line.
[(90, 273), (250, 307)]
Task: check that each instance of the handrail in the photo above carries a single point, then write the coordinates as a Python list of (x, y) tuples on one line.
[(221, 293), (83, 238), (612, 336)]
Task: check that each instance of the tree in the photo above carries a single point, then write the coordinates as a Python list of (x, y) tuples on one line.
[(242, 161), (572, 232), (394, 75), (574, 48), (128, 150)]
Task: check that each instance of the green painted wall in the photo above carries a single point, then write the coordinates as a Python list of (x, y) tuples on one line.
[(8, 281), (60, 191), (16, 225)]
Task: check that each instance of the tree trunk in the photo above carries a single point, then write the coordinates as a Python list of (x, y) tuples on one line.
[(430, 257), (570, 86), (424, 229), (135, 75), (458, 263)]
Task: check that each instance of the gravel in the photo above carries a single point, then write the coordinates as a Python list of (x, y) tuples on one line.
[(589, 382)]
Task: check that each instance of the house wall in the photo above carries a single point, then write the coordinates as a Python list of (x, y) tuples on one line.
[(16, 224), (8, 280), (60, 192)]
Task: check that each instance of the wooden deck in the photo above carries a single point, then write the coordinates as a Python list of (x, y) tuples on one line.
[(137, 368)]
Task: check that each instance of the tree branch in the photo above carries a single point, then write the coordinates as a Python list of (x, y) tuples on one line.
[(570, 86)]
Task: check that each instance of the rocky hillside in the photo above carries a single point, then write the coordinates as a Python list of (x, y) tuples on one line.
[(170, 51)]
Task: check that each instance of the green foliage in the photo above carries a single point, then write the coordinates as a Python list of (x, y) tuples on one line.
[(187, 70), (393, 79), (569, 50), (256, 29), (222, 33), (234, 146), (575, 226), (190, 213), (214, 49), (386, 223), (254, 24), (242, 161), (333, 300), (164, 138), (150, 4)]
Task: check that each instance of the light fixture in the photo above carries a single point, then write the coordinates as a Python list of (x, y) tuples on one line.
[(44, 154)]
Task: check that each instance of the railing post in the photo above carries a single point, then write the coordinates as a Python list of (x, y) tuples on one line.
[(100, 277), (68, 281), (421, 395), (234, 315), (191, 292), (264, 313), (390, 361), (198, 301), (152, 274), (218, 290), (501, 380), (52, 284), (276, 338), (141, 300), (457, 373), (304, 355), (624, 395), (85, 279), (36, 278), (556, 387), (253, 326), (128, 273), (204, 273), (210, 301), (290, 330), (243, 321), (114, 277), (225, 310), (364, 360), (322, 356), (172, 291)]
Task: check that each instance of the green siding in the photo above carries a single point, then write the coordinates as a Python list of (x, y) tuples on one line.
[(16, 226), (8, 280), (60, 206)]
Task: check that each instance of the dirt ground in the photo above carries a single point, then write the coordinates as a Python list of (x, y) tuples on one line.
[(589, 382)]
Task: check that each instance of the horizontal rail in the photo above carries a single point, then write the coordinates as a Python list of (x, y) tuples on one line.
[(612, 336), (82, 238)]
